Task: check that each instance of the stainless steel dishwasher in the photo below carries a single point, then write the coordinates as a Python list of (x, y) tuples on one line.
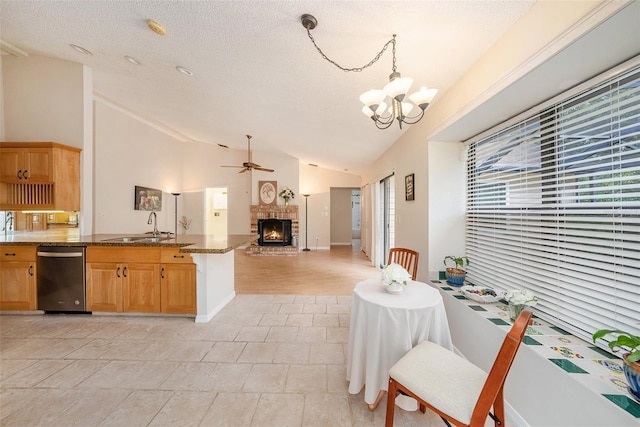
[(60, 278)]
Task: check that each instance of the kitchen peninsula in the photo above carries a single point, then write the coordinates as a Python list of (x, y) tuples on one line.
[(213, 258)]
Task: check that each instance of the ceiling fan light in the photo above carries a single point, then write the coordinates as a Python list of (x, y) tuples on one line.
[(406, 108), (398, 88), (423, 97)]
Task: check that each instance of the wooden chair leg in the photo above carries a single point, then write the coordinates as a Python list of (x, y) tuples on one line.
[(423, 407), (498, 408), (374, 405), (391, 403)]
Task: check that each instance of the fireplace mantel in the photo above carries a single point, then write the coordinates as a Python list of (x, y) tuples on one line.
[(274, 212)]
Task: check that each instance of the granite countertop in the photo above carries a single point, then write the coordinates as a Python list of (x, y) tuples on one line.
[(190, 243)]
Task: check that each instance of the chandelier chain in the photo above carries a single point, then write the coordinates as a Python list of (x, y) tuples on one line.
[(358, 69)]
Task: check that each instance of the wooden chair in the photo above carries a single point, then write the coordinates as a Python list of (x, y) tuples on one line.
[(406, 258), (451, 386)]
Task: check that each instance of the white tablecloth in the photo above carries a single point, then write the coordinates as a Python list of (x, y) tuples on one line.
[(384, 327)]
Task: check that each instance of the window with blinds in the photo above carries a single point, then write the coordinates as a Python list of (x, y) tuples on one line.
[(553, 206)]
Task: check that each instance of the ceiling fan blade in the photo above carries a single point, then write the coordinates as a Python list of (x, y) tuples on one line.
[(263, 169), (232, 166), (244, 170)]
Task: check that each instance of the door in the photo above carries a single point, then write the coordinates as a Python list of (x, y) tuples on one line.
[(388, 214), (17, 285), (141, 287), (104, 287), (178, 285), (216, 211)]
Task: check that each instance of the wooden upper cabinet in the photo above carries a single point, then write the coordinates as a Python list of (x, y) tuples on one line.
[(39, 175)]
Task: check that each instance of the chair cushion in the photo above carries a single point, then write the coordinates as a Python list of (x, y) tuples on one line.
[(441, 378)]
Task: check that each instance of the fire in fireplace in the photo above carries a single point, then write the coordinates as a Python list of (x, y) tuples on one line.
[(274, 232)]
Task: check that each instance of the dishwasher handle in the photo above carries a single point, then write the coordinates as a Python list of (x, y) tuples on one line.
[(60, 254)]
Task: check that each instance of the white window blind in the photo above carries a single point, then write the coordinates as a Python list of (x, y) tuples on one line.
[(553, 206)]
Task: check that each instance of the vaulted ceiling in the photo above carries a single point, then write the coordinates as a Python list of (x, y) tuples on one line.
[(255, 71)]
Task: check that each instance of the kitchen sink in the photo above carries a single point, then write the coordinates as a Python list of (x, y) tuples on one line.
[(138, 239)]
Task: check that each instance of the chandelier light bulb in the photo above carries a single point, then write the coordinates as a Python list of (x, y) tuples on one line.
[(423, 97), (398, 87)]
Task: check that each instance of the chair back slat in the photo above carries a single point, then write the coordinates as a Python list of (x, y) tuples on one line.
[(498, 373), (406, 258)]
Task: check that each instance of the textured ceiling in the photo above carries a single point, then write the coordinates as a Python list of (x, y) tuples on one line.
[(255, 70)]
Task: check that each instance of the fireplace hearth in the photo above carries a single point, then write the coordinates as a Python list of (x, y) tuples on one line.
[(274, 232)]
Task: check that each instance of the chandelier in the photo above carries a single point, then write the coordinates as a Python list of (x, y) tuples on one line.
[(390, 103)]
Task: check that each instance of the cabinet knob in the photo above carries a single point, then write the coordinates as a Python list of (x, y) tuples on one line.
[(9, 254), (124, 272), (178, 256), (19, 174), (30, 270), (162, 273), (118, 272), (25, 174)]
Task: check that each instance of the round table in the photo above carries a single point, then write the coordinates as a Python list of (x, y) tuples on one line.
[(384, 327)]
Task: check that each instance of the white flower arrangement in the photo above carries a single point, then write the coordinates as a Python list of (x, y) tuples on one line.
[(521, 297), (395, 273), (287, 194)]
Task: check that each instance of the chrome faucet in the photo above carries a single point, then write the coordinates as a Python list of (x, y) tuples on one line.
[(8, 220), (154, 218)]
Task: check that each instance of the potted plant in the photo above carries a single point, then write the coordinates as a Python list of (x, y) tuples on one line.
[(455, 275), (629, 346)]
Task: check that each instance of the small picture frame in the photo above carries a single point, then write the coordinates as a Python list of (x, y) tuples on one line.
[(147, 199), (409, 187), (268, 193)]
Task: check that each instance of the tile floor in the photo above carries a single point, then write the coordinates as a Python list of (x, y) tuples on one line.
[(265, 360)]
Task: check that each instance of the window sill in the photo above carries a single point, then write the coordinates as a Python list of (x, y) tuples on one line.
[(597, 373)]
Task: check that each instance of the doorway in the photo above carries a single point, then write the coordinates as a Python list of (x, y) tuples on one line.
[(215, 220)]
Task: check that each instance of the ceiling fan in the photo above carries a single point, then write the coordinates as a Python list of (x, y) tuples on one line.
[(249, 165)]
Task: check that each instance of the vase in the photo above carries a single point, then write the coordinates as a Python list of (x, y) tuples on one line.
[(394, 288), (514, 311), (632, 373), (286, 202), (455, 276)]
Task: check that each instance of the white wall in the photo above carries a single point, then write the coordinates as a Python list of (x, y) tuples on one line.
[(318, 182), (128, 152), (446, 203)]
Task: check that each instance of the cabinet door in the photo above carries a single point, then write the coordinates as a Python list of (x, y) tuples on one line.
[(178, 282), (10, 164), (38, 165), (141, 287), (18, 285), (26, 165), (104, 287)]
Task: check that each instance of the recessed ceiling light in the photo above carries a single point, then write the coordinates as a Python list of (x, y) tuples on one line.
[(223, 146), (81, 49), (156, 27), (184, 70), (132, 60)]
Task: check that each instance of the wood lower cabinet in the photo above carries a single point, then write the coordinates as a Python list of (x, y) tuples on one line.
[(140, 280), (124, 279), (177, 282), (18, 278)]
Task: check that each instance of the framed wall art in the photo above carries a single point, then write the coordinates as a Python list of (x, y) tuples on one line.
[(147, 199), (409, 187), (267, 192)]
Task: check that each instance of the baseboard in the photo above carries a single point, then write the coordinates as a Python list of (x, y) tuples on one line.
[(205, 318)]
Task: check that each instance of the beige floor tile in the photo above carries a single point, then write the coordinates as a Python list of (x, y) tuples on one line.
[(33, 374), (219, 332), (291, 308), (137, 409), (306, 379), (266, 378), (258, 352), (239, 318), (37, 407), (312, 334), (326, 354), (337, 379), (277, 319), (337, 335), (184, 408), (40, 348), (73, 374), (190, 376), (230, 377), (127, 350), (284, 299), (326, 320), (315, 308), (131, 375), (279, 410), (300, 319), (326, 299), (297, 353), (339, 308), (9, 367), (321, 410), (89, 409), (253, 333), (305, 299), (345, 320), (231, 410), (224, 352), (282, 334)]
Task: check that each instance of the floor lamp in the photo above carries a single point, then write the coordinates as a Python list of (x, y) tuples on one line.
[(175, 218), (306, 222)]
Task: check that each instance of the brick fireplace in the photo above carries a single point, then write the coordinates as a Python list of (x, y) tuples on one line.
[(281, 212)]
